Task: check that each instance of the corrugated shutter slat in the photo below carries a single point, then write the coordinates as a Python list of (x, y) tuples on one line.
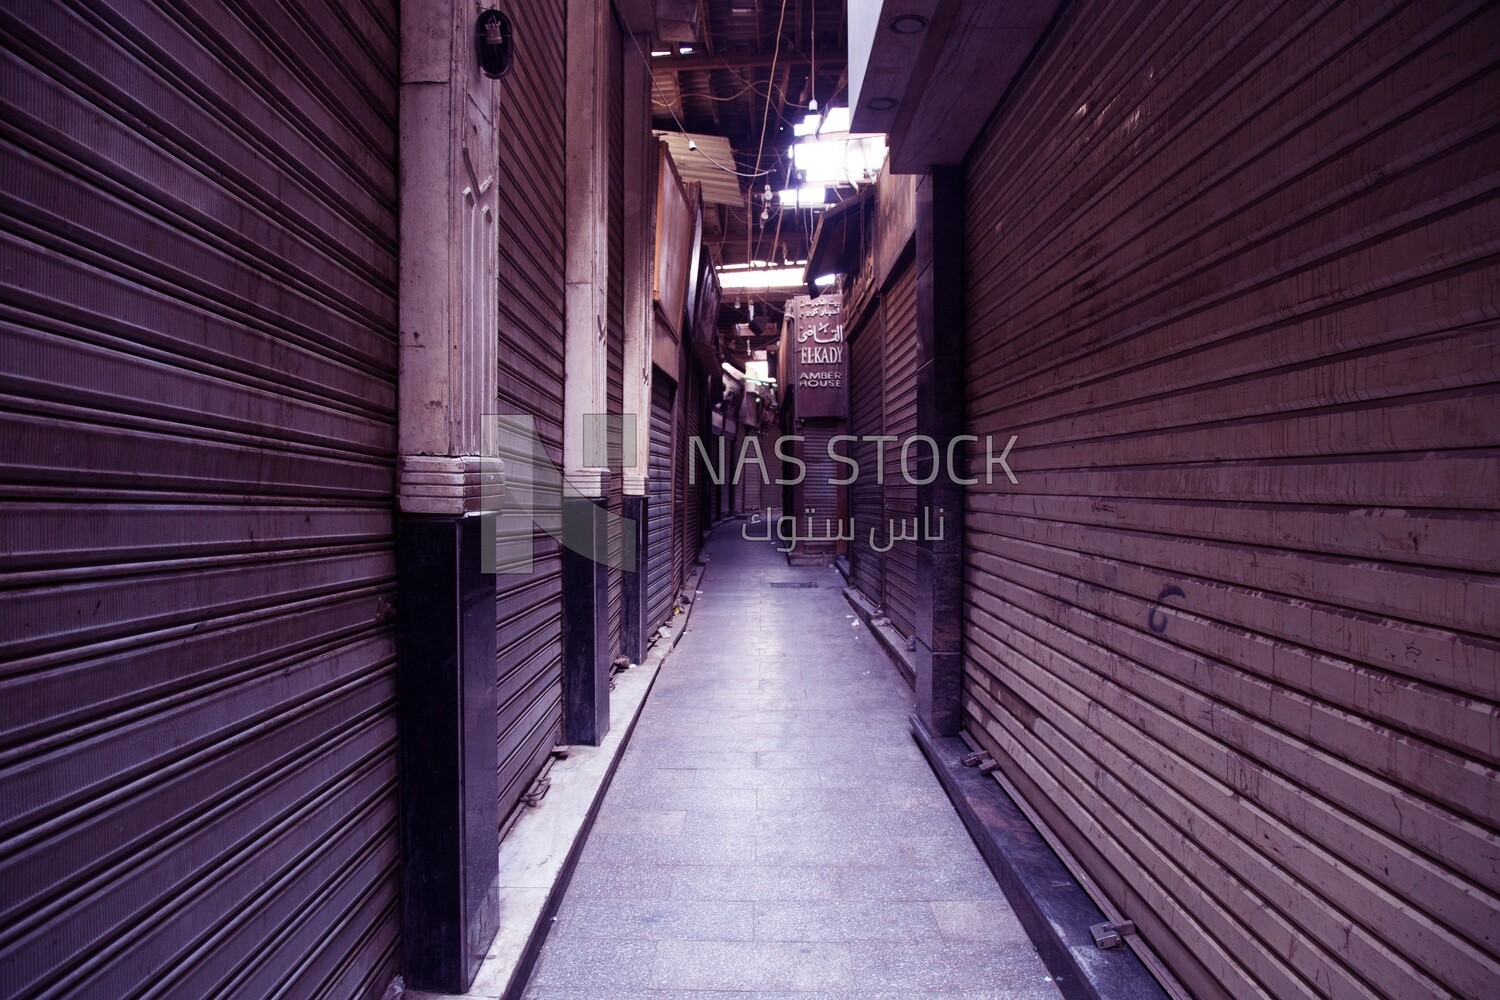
[(197, 716), (1232, 635), (529, 606)]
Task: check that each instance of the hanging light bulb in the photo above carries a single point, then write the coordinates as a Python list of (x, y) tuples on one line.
[(765, 215), (812, 105), (692, 146)]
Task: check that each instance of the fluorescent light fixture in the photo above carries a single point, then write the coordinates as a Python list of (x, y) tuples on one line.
[(830, 162), (825, 280), (658, 53), (757, 264), (820, 163), (836, 120), (806, 196), (761, 277), (684, 50)]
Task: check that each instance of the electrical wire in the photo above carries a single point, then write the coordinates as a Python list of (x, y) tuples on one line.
[(766, 120), (682, 129), (765, 123)]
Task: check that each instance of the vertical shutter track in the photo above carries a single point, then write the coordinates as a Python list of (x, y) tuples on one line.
[(1232, 635), (199, 342), (899, 306), (615, 322), (659, 503), (866, 419), (529, 606)]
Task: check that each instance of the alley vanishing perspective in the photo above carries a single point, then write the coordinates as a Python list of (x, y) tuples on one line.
[(773, 828), (781, 499)]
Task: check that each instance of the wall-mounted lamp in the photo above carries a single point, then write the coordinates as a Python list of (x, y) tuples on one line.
[(492, 43)]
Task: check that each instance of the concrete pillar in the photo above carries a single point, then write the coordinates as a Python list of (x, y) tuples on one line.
[(940, 415), (584, 568), (446, 606), (640, 253)]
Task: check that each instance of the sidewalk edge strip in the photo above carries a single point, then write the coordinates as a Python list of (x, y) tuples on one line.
[(1049, 902)]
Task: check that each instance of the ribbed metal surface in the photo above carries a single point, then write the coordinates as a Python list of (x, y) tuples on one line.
[(899, 308), (867, 419), (659, 503), (691, 525), (529, 606), (197, 730), (1231, 272), (754, 492), (819, 500), (680, 455), (615, 317)]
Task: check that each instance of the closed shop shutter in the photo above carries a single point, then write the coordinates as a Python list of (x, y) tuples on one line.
[(529, 606), (751, 482), (197, 719), (866, 498), (692, 493), (820, 501), (1230, 279), (900, 312), (615, 325), (659, 503)]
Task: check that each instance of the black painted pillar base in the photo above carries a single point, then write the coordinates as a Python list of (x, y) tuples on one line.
[(940, 415), (585, 625), (446, 705), (633, 581)]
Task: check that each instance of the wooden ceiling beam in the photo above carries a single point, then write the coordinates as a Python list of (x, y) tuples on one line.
[(742, 60)]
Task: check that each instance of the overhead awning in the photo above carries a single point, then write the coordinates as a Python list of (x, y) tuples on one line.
[(838, 242), (710, 163)]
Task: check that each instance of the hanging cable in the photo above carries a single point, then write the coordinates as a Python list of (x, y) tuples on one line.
[(681, 128)]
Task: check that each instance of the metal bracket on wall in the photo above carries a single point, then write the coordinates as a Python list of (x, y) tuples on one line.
[(980, 759), (538, 790), (1108, 935)]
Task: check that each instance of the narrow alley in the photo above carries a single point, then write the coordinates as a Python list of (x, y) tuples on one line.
[(387, 387), (773, 830)]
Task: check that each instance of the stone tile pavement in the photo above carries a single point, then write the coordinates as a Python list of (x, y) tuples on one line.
[(773, 830)]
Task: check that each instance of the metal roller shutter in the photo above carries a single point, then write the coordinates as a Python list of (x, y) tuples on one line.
[(1232, 635), (529, 606), (751, 482), (659, 503), (197, 727), (692, 494), (821, 500), (866, 416), (899, 308), (680, 449), (615, 324)]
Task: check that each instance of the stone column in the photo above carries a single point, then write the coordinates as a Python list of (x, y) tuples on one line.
[(641, 152), (584, 564), (940, 415), (446, 606)]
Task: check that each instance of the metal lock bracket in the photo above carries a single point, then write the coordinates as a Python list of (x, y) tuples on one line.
[(1108, 935)]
